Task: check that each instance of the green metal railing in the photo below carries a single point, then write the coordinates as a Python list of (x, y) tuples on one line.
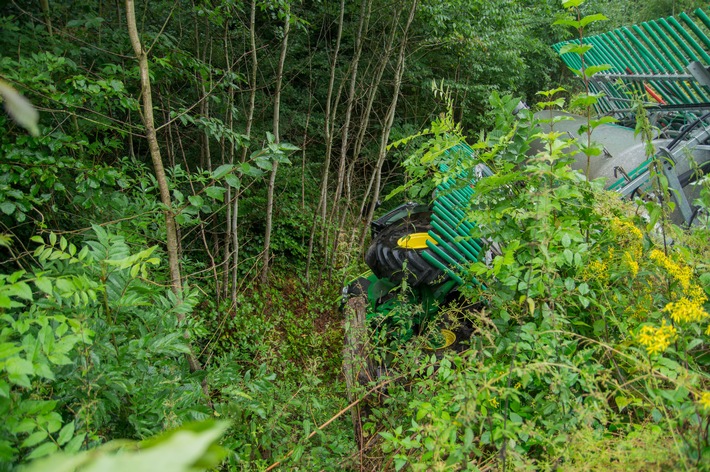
[(664, 60)]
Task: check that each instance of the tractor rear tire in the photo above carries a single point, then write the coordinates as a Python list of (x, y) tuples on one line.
[(388, 260)]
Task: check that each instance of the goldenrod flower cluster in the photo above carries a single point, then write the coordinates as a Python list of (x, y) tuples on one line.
[(682, 274), (630, 262), (627, 234), (686, 311), (657, 340), (704, 400), (596, 270)]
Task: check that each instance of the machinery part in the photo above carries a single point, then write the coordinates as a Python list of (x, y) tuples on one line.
[(448, 338), (399, 213), (415, 241), (389, 260)]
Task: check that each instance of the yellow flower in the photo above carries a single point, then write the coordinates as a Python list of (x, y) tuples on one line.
[(633, 266), (678, 272), (656, 340), (494, 402), (686, 311), (627, 233), (704, 400), (682, 274), (596, 270)]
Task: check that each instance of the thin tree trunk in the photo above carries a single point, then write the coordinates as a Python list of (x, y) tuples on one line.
[(170, 224), (364, 17), (47, 15), (229, 121), (245, 149), (372, 94), (329, 116), (389, 119), (277, 139)]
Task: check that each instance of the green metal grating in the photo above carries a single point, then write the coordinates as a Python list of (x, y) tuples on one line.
[(455, 249), (659, 60)]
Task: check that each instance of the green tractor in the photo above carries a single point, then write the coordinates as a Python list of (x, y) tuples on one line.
[(416, 255), (419, 251)]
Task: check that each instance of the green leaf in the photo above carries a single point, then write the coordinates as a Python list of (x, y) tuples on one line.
[(216, 192), (44, 450), (7, 207), (19, 366), (222, 170), (21, 290), (622, 402), (233, 181), (574, 48), (75, 444), (44, 284), (34, 439), (592, 19), (591, 70), (571, 3), (65, 434), (567, 22), (9, 349), (195, 200)]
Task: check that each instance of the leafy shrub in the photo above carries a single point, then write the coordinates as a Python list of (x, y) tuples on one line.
[(93, 351)]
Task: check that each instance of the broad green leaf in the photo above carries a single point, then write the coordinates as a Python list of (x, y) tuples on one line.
[(571, 3), (43, 450), (622, 402), (592, 19), (222, 170), (195, 200), (66, 433), (233, 181), (568, 22), (19, 366), (34, 439), (216, 192), (7, 207), (21, 290), (9, 349), (44, 284), (574, 48), (591, 70), (75, 444)]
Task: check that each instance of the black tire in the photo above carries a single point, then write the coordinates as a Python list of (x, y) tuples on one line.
[(387, 259)]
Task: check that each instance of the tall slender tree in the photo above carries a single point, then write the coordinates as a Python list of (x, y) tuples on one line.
[(277, 140)]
